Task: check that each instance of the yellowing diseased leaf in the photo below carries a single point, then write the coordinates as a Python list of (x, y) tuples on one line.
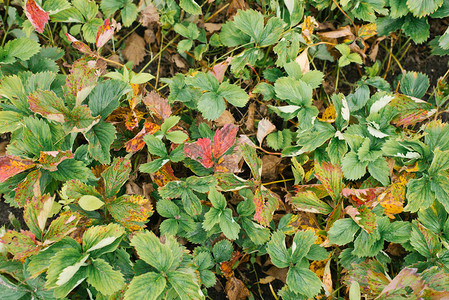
[(103, 243), (307, 28), (136, 143), (51, 159), (367, 31), (20, 244), (13, 165), (132, 211), (90, 203), (266, 203), (329, 115)]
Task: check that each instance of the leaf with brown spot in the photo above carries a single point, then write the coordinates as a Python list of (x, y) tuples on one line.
[(137, 143), (50, 160), (266, 204), (134, 49), (28, 188), (80, 46), (236, 289), (20, 244), (331, 176), (105, 32), (367, 31), (36, 213), (132, 211), (164, 175)]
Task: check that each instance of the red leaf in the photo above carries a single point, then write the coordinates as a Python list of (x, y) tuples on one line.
[(105, 32), (80, 46), (13, 165), (224, 139), (37, 16), (200, 151)]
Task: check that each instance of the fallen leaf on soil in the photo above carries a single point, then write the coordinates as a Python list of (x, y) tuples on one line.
[(219, 70), (327, 278), (267, 279), (264, 128), (135, 49), (149, 36), (212, 27), (236, 289), (280, 274), (250, 119), (269, 166), (157, 105), (178, 60), (225, 118), (235, 6), (149, 15)]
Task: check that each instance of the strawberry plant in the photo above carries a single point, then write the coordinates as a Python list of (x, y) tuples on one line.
[(191, 149)]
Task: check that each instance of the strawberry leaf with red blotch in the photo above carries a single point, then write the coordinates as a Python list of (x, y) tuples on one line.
[(211, 153), (20, 244), (410, 110), (81, 80), (105, 32), (37, 16), (48, 105), (361, 196), (36, 213), (13, 165), (251, 159), (50, 160)]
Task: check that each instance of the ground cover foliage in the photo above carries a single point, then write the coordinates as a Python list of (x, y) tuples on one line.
[(254, 149)]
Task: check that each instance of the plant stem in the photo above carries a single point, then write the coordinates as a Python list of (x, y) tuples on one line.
[(159, 53)]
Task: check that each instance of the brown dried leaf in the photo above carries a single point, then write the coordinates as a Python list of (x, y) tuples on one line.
[(339, 33), (234, 6), (264, 128), (250, 119), (225, 118), (267, 279), (236, 289), (157, 105), (149, 15), (134, 49), (149, 36), (303, 62), (280, 274), (212, 27), (269, 166)]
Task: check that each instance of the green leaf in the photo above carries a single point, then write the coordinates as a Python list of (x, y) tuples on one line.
[(231, 36), (98, 240), (417, 29), (70, 169), (103, 278), (303, 281), (354, 291), (146, 286), (190, 6), (317, 252), (128, 13), (169, 123), (100, 138), (105, 97), (155, 145), (217, 199), (419, 194), (87, 8), (211, 105), (228, 225), (308, 201), (233, 94), (176, 137), (277, 250), (222, 251), (316, 136), (293, 91), (186, 284), (22, 48), (250, 22), (353, 168), (380, 171), (90, 203), (424, 241), (302, 242), (163, 257), (271, 32), (343, 231), (421, 8), (440, 161), (211, 218), (153, 166), (258, 234), (414, 84), (440, 185)]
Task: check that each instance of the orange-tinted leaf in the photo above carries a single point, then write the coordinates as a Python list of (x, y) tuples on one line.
[(20, 244), (392, 200), (137, 143), (51, 159), (13, 165), (329, 115), (105, 32), (37, 16), (307, 28), (164, 175), (48, 105), (157, 105), (361, 196), (80, 46), (363, 216)]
